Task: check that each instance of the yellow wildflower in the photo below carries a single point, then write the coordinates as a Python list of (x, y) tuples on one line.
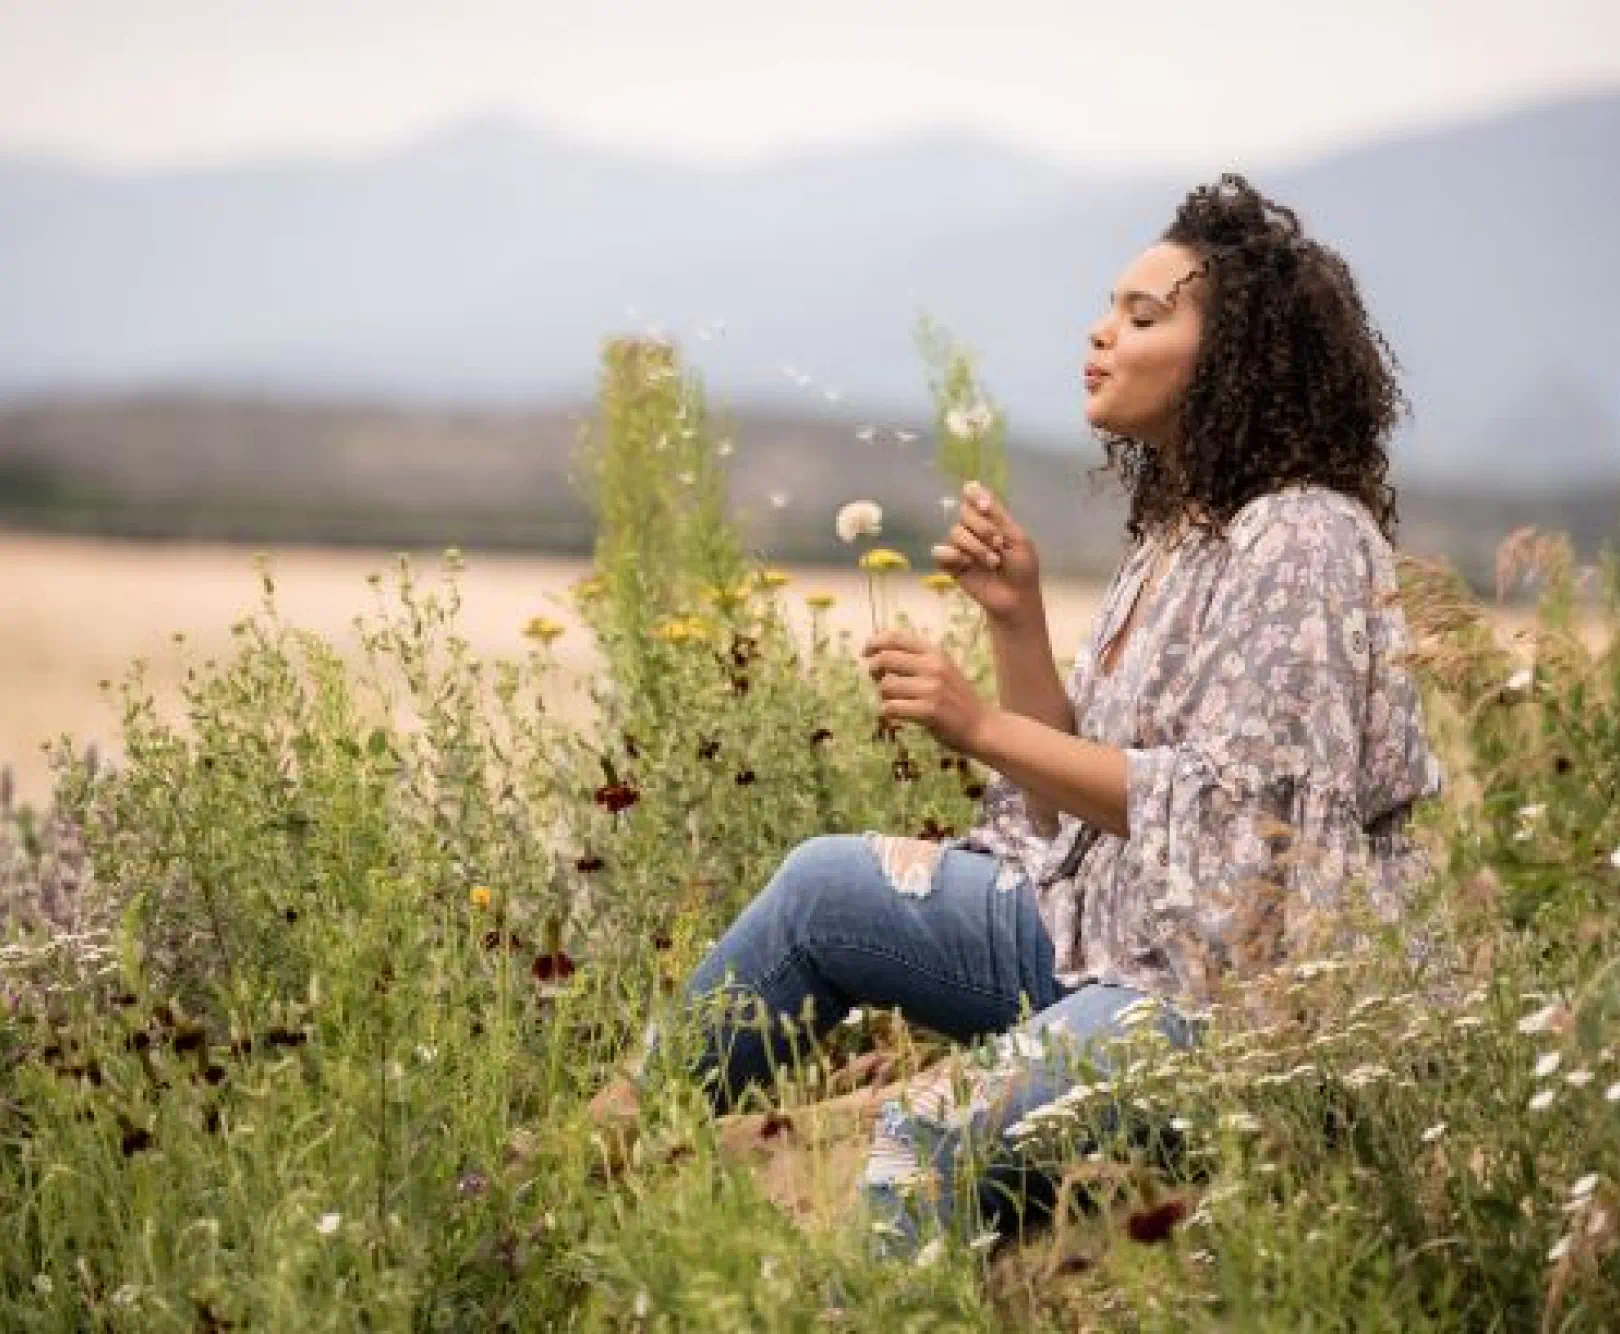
[(881, 560), (727, 597), (543, 628), (774, 578), (479, 896), (938, 582), (590, 588), (819, 601), (680, 630)]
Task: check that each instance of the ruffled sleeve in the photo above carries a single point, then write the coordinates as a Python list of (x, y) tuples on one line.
[(1246, 810)]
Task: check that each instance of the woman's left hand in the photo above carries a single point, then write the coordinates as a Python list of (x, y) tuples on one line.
[(919, 684)]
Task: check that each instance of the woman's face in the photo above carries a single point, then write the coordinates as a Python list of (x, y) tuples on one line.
[(1145, 345)]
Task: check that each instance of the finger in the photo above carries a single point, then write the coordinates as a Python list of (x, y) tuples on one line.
[(982, 526), (950, 560), (982, 499), (963, 540), (906, 687), (895, 662), (905, 710)]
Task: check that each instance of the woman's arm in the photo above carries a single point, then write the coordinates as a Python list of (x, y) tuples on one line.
[(1056, 769)]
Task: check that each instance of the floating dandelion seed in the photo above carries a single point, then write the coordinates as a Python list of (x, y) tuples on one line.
[(779, 500), (327, 1224), (859, 518)]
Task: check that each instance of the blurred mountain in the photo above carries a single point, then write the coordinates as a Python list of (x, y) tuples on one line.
[(482, 266)]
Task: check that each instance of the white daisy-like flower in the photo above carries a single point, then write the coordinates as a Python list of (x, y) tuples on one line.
[(1548, 1018), (930, 1253), (975, 419), (1547, 1064), (1585, 1186), (1434, 1132), (643, 1306), (1533, 812), (1578, 1078), (1241, 1122), (1614, 859), (1542, 1100), (1612, 1093), (1560, 1249), (984, 1241), (1522, 679), (327, 1224), (859, 518)]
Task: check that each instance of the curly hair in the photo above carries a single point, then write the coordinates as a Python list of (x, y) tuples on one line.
[(1292, 383)]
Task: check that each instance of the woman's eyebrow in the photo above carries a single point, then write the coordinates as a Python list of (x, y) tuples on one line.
[(1135, 294)]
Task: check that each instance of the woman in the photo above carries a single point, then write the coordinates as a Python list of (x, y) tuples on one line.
[(1237, 742)]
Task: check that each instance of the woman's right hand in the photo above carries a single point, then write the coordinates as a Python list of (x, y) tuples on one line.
[(991, 557)]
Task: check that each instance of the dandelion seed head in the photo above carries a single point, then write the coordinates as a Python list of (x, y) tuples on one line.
[(859, 518)]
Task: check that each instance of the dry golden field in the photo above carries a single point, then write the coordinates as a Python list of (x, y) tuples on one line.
[(75, 612)]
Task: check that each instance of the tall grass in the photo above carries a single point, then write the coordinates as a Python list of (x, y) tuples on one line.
[(304, 1001)]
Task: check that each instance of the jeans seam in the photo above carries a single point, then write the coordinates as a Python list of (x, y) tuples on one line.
[(839, 942)]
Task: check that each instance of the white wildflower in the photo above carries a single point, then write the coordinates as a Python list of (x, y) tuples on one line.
[(1612, 1093), (1560, 1249), (1241, 1122), (1434, 1132), (1521, 679), (126, 1295), (1180, 1124), (1547, 1064), (1534, 812), (327, 1224), (930, 1253), (1542, 1100), (1614, 859), (855, 1018), (1468, 1021), (1578, 1078), (1363, 1075), (859, 518), (975, 419), (1585, 1186), (1547, 1019), (984, 1241), (643, 1306)]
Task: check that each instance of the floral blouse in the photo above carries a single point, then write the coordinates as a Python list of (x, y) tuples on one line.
[(1274, 747)]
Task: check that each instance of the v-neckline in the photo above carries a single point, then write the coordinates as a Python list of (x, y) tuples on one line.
[(1152, 552)]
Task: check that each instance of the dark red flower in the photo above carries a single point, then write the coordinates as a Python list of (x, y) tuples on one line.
[(972, 791), (744, 649), (739, 683), (135, 1140), (934, 831), (509, 940), (662, 940), (707, 749), (887, 730), (905, 769), (745, 777), (286, 1037), (631, 747), (774, 1124), (947, 763), (588, 863), (819, 735), (554, 967), (617, 797), (1154, 1224)]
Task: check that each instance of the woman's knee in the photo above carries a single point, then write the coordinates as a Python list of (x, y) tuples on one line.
[(823, 872)]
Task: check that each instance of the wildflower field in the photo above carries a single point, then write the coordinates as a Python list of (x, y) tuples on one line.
[(305, 1000)]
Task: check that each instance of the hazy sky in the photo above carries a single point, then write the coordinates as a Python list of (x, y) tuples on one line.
[(1125, 83)]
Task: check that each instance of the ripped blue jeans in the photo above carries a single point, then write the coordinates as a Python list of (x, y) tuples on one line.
[(870, 920)]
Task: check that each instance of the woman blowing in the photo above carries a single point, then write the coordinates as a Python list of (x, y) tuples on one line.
[(1235, 744)]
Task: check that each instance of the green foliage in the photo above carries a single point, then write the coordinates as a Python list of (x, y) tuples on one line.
[(304, 1001)]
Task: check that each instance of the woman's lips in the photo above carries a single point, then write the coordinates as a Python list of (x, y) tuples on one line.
[(1095, 378)]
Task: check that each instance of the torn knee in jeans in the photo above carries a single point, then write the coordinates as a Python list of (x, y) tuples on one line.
[(908, 863)]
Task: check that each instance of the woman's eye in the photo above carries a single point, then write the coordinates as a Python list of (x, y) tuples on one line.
[(1141, 323)]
